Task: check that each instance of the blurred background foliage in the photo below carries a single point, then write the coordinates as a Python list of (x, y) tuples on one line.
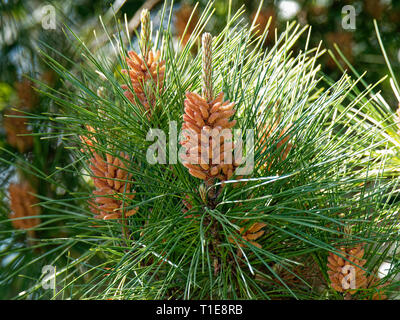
[(21, 29), (360, 46), (23, 76)]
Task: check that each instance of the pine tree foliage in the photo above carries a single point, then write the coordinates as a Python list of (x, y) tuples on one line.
[(317, 185)]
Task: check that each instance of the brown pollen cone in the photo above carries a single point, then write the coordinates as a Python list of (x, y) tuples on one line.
[(112, 189), (205, 145), (16, 129), (147, 78), (207, 128), (379, 294), (249, 234), (110, 177), (23, 204), (346, 275)]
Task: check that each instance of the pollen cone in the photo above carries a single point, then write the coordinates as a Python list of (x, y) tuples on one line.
[(379, 289), (23, 204), (147, 79), (346, 275), (208, 145), (111, 180), (113, 191), (249, 234)]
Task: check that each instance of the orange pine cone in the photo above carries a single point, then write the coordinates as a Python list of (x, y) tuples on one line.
[(16, 129), (110, 178), (23, 204), (89, 142), (379, 293), (347, 276), (112, 188), (250, 234), (206, 149), (146, 77)]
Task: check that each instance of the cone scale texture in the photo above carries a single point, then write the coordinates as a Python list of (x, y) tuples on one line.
[(113, 189), (146, 78), (146, 72), (207, 128), (346, 275), (250, 234)]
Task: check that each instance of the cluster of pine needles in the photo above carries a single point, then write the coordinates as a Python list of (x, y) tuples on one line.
[(316, 217)]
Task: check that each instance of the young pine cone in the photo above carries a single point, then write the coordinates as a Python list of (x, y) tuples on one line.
[(347, 276), (379, 294), (23, 204), (206, 149), (147, 78), (16, 129), (112, 189), (249, 234)]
